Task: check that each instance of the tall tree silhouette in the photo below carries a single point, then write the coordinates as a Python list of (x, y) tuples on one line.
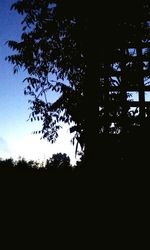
[(87, 44)]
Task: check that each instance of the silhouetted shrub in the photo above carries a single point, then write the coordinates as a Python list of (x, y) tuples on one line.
[(7, 163), (58, 160)]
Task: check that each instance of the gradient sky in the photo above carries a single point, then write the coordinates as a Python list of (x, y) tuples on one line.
[(16, 134)]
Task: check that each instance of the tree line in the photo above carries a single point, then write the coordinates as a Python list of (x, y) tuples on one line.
[(58, 163)]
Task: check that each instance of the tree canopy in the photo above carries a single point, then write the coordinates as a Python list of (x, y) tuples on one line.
[(81, 43)]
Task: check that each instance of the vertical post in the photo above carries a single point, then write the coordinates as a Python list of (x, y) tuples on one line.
[(106, 99), (123, 91), (141, 83)]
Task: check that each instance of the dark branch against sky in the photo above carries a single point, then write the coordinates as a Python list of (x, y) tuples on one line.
[(15, 132)]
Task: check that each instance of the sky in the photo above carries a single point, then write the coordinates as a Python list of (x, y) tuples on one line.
[(16, 133)]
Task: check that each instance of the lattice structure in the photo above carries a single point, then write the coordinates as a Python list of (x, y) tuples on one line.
[(126, 83), (125, 91)]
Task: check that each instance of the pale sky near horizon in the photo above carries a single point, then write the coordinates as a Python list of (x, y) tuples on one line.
[(16, 138)]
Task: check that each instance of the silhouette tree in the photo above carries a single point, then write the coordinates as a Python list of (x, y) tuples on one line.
[(85, 44), (58, 160)]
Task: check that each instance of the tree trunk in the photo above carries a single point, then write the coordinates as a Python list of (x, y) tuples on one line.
[(91, 97), (91, 116)]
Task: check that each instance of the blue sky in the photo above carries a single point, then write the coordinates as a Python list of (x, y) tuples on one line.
[(16, 138)]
